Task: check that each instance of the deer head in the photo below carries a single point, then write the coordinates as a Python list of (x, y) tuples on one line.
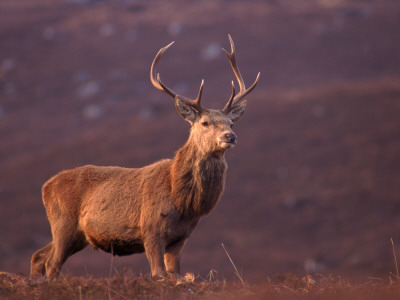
[(211, 129)]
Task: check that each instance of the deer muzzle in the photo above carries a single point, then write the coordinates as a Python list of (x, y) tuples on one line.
[(231, 138), (227, 140)]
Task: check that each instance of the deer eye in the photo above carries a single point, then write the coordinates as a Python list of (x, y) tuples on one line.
[(205, 123)]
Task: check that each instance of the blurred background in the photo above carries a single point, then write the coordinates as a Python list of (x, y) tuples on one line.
[(313, 185)]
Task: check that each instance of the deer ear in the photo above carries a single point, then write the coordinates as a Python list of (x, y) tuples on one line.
[(185, 110), (236, 112)]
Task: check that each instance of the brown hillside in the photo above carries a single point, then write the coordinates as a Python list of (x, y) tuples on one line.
[(313, 185)]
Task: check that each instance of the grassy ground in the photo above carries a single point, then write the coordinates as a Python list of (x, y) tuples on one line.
[(129, 286)]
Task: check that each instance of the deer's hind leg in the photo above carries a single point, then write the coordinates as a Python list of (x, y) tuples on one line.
[(67, 240), (38, 261)]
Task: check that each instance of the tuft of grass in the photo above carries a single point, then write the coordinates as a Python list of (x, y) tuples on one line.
[(234, 266), (395, 260)]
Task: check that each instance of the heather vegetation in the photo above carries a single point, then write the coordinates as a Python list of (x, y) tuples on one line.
[(125, 285)]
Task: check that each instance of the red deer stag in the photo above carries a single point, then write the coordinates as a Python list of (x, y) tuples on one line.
[(152, 209)]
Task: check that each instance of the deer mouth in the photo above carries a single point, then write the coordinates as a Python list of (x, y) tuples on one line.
[(227, 144)]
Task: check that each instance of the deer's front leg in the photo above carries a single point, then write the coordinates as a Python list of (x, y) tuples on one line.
[(172, 257), (155, 249)]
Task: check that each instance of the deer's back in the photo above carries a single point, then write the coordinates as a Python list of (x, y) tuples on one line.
[(74, 189)]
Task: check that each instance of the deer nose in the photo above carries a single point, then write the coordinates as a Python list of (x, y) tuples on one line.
[(231, 138)]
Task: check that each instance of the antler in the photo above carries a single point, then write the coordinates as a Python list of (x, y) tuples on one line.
[(234, 100), (158, 84)]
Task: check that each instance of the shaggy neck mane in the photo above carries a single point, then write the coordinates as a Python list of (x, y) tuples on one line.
[(197, 180)]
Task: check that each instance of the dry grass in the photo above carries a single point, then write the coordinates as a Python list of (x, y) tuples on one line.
[(129, 286)]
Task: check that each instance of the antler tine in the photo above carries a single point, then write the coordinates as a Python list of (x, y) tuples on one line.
[(158, 84), (232, 60), (195, 103), (244, 93), (198, 99), (155, 77), (242, 88), (228, 105)]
